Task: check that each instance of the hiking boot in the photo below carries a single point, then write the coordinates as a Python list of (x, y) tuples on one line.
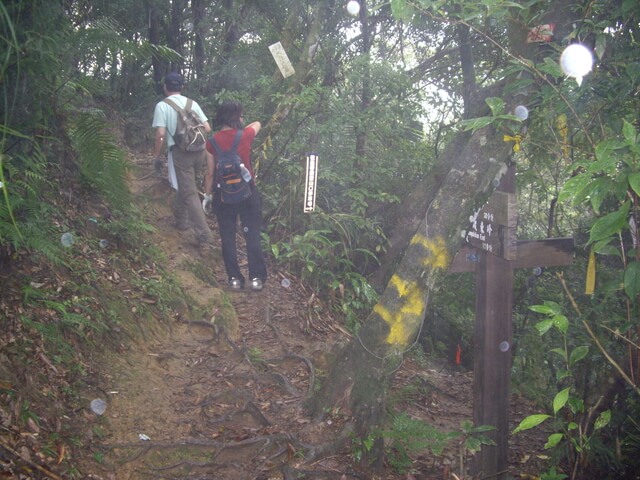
[(256, 284), (235, 283)]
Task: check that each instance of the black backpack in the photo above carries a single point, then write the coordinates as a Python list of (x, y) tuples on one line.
[(233, 187), (190, 132)]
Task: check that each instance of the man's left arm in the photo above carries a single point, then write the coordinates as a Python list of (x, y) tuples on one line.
[(161, 133), (158, 159)]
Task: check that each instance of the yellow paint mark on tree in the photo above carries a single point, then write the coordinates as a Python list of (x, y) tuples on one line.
[(403, 322), (437, 254)]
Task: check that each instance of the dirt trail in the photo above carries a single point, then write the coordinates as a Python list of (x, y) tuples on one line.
[(193, 403), (213, 406)]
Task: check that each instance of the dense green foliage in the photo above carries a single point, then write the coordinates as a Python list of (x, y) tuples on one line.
[(377, 97)]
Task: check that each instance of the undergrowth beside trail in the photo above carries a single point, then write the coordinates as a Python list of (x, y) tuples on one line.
[(62, 311)]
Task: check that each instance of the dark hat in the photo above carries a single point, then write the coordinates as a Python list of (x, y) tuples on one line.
[(173, 81)]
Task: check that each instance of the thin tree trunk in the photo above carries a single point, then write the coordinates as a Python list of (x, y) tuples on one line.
[(365, 94), (470, 88), (175, 31), (154, 39), (302, 69), (200, 27)]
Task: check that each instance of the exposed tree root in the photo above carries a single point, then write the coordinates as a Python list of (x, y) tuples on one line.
[(282, 382), (217, 445), (288, 445), (312, 372)]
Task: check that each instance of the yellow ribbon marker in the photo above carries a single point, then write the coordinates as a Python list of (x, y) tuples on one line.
[(563, 130), (517, 139), (591, 274)]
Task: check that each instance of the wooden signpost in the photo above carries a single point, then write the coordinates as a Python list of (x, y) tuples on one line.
[(493, 252)]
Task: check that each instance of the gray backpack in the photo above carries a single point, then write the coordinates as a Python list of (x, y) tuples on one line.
[(190, 133)]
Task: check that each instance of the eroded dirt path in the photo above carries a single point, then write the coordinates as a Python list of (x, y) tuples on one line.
[(191, 402), (196, 402)]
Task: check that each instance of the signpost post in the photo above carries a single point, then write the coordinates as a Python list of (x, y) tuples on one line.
[(493, 252)]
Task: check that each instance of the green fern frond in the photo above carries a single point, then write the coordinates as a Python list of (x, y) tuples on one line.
[(36, 233), (102, 163), (160, 51), (23, 178)]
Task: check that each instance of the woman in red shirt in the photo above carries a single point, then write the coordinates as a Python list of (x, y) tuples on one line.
[(249, 211)]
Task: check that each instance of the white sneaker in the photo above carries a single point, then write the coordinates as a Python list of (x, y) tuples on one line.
[(256, 284)]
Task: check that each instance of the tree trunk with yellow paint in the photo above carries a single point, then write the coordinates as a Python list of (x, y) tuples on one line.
[(362, 372), (465, 175)]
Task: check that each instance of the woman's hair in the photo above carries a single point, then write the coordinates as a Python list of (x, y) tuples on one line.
[(229, 114)]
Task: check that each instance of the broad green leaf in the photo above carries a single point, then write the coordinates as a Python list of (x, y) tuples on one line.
[(610, 224), (466, 427), (560, 400), (578, 354), (476, 123), (629, 132), (562, 373), (544, 326), (603, 420), (548, 308), (496, 105), (632, 279), (508, 116), (551, 67), (473, 444), (483, 428), (553, 440), (576, 405), (597, 191), (604, 247), (605, 153), (517, 85), (634, 182), (561, 323), (531, 421), (572, 186)]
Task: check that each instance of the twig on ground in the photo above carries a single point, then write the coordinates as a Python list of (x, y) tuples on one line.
[(41, 469)]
